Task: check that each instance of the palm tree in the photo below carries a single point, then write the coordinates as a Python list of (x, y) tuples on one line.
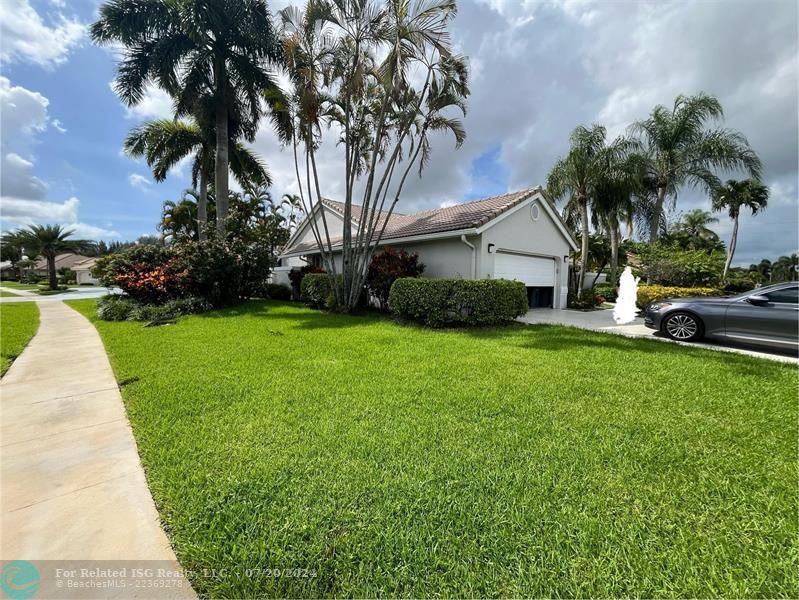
[(578, 177), (179, 219), (222, 49), (737, 195), (680, 149), (165, 142), (49, 241), (694, 226), (785, 268)]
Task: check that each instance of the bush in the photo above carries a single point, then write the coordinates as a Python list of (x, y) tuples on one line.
[(607, 291), (315, 290), (67, 275), (649, 293), (738, 285), (388, 266), (673, 266), (148, 274), (296, 276), (439, 302), (123, 308), (588, 300), (278, 291)]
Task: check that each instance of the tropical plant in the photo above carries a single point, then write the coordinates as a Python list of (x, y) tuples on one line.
[(384, 76), (785, 268), (179, 219), (220, 49), (679, 149), (578, 177), (693, 230), (733, 197), (166, 142), (48, 241), (386, 267)]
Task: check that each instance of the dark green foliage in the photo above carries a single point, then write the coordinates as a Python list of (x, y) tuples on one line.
[(587, 300), (673, 266), (440, 302), (315, 290), (386, 267), (278, 291), (607, 291), (296, 276), (123, 308), (739, 284)]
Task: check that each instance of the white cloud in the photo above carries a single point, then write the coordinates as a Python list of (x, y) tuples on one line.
[(19, 212), (23, 115), (140, 182), (156, 104), (26, 37), (57, 125), (18, 179)]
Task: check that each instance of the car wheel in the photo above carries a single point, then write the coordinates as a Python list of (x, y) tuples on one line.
[(683, 327)]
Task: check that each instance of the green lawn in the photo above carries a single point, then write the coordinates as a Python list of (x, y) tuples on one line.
[(7, 294), (399, 461), (19, 286), (18, 322)]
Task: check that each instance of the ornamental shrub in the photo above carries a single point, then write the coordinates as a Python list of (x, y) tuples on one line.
[(386, 267), (124, 308), (315, 290), (296, 276), (440, 302), (147, 273), (278, 291), (649, 293), (607, 291), (673, 266)]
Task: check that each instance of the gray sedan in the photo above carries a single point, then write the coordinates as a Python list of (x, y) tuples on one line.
[(767, 316)]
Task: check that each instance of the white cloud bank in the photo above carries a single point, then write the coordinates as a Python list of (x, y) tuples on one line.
[(26, 37)]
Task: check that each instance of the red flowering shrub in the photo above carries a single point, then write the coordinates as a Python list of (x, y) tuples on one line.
[(148, 274), (388, 266)]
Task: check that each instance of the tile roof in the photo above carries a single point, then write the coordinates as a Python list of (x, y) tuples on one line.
[(469, 215), (67, 260)]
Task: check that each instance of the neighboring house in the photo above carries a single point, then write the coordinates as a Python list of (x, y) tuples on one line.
[(83, 272), (62, 261), (514, 236)]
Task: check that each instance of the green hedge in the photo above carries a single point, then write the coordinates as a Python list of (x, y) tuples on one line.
[(607, 291), (440, 302), (650, 293), (315, 290)]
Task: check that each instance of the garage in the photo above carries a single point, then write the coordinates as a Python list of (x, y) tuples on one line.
[(536, 272)]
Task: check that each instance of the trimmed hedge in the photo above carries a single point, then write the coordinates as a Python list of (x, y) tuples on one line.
[(607, 291), (440, 302), (315, 290), (650, 293)]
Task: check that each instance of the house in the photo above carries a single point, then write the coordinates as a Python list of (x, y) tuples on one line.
[(62, 261), (83, 273), (514, 236)]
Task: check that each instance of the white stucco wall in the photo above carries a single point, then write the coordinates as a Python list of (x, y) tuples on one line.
[(84, 276), (519, 232), (442, 258)]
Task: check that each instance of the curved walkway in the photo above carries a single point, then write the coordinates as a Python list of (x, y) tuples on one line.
[(72, 484)]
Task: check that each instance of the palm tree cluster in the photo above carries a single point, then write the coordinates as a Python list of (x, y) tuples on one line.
[(384, 77), (630, 179), (216, 60)]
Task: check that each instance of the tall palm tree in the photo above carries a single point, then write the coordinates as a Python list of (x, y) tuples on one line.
[(785, 268), (165, 142), (695, 226), (579, 174), (191, 48), (48, 241), (680, 149), (737, 195)]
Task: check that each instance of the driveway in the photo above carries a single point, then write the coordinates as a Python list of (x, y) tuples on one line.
[(602, 320)]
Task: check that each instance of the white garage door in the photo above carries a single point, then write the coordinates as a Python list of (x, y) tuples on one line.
[(530, 270)]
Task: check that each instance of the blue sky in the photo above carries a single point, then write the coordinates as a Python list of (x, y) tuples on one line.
[(538, 70)]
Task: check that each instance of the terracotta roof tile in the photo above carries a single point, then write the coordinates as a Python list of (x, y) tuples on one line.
[(469, 215)]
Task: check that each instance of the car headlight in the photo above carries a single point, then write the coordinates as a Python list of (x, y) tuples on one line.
[(656, 306)]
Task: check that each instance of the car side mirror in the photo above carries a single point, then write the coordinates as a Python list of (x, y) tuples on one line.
[(757, 300)]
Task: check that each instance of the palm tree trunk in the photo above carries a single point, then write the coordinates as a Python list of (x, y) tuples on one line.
[(731, 252), (584, 248), (614, 234), (222, 160), (654, 226), (51, 272), (202, 206)]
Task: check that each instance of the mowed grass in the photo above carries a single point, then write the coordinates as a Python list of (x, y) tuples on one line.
[(18, 323), (19, 286), (396, 461), (7, 294)]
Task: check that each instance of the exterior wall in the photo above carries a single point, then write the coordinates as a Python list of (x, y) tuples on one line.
[(519, 232), (335, 225), (84, 276), (443, 258)]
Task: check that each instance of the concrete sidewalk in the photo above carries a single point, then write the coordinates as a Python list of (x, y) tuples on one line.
[(72, 484), (602, 320)]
